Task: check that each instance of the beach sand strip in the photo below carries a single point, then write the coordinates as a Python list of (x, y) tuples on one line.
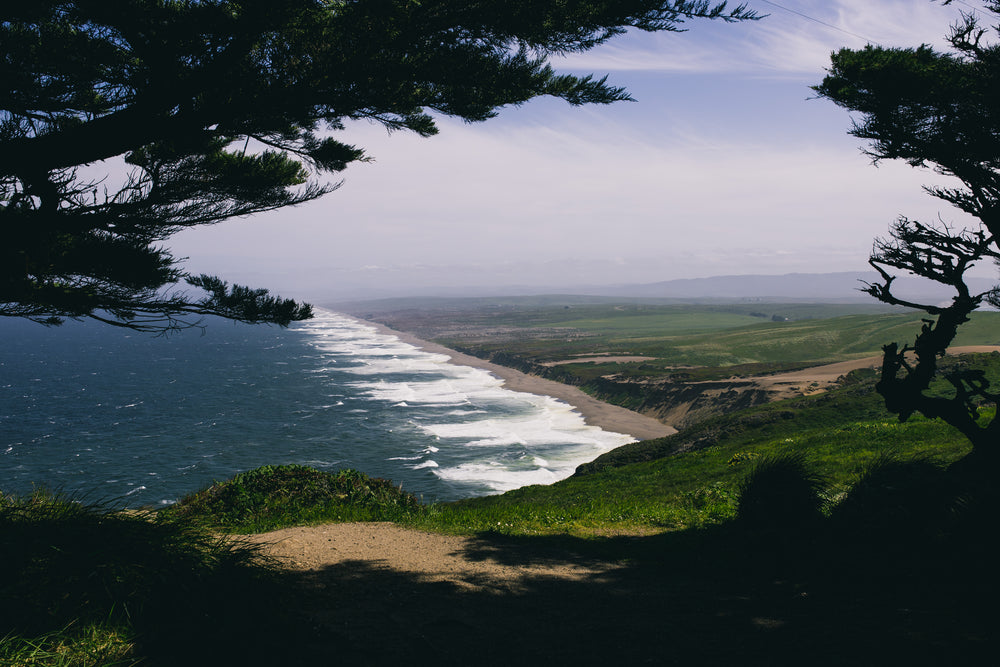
[(595, 413)]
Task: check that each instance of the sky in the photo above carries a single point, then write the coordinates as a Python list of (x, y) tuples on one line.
[(726, 164)]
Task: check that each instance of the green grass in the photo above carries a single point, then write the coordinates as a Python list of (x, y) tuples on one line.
[(86, 584), (272, 497), (700, 336), (679, 355), (686, 480), (640, 324), (93, 645), (641, 488), (90, 584), (691, 489), (690, 479)]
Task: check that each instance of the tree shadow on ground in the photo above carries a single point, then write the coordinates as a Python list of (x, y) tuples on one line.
[(859, 588), (704, 599), (903, 574)]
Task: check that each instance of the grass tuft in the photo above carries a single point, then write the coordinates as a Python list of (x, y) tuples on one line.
[(90, 583), (780, 493), (94, 645), (273, 497), (894, 496)]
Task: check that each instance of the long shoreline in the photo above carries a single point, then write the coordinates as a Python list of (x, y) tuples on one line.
[(595, 412)]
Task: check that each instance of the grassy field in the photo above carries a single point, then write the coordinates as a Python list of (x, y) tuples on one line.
[(685, 342), (682, 347), (694, 337)]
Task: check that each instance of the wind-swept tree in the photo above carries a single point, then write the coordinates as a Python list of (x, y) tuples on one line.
[(937, 110), (123, 122)]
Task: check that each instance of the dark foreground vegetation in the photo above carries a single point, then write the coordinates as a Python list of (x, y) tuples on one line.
[(273, 497), (810, 531)]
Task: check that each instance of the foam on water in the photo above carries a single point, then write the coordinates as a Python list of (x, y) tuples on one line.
[(114, 415), (498, 441)]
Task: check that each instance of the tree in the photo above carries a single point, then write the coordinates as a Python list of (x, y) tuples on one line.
[(124, 122), (940, 111)]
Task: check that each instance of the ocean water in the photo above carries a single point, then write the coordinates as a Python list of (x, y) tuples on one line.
[(109, 414)]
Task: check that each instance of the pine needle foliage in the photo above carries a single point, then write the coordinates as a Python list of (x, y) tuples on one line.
[(935, 110), (122, 123)]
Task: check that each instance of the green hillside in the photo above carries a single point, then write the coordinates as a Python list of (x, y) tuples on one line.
[(708, 338), (692, 478), (681, 341), (814, 530)]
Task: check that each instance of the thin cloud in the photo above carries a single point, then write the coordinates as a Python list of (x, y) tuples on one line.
[(781, 44), (545, 193), (706, 174)]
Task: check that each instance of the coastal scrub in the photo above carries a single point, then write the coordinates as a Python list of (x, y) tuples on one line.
[(272, 497)]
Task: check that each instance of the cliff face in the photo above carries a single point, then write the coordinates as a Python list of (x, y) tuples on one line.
[(680, 404)]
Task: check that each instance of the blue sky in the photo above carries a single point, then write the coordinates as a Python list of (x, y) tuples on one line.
[(723, 165)]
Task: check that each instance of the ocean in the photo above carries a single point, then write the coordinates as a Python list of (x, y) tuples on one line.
[(109, 414)]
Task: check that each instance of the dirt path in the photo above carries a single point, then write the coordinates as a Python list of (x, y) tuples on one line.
[(428, 556), (378, 594), (824, 376)]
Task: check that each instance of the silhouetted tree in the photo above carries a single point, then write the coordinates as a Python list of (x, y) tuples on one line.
[(941, 111), (124, 122)]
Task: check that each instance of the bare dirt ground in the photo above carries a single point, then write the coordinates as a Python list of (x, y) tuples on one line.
[(378, 594), (429, 557), (819, 378)]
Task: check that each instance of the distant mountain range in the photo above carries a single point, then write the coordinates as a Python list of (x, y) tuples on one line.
[(842, 287), (835, 287)]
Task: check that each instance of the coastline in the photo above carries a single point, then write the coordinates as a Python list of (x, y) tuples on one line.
[(597, 413)]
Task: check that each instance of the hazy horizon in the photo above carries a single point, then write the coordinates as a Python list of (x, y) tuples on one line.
[(837, 287)]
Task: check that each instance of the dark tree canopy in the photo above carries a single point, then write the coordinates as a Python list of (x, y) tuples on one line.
[(940, 111), (222, 108)]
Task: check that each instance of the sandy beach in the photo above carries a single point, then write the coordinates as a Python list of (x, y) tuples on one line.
[(595, 413)]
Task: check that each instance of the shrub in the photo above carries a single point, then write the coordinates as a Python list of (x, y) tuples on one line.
[(276, 496), (779, 493), (892, 497)]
